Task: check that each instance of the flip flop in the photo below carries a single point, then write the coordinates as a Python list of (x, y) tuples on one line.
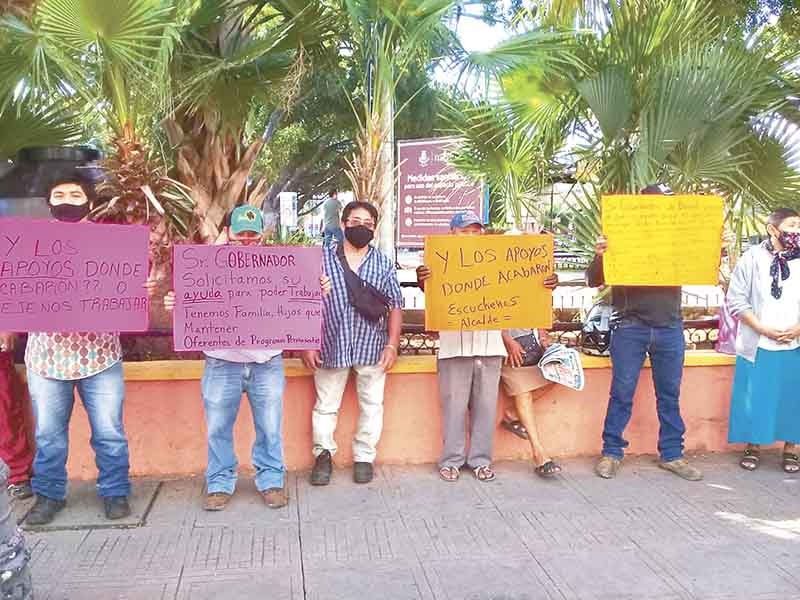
[(548, 470), (515, 427), (449, 474), (750, 459), (791, 463)]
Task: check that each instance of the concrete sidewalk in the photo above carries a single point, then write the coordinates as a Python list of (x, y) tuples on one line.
[(408, 535)]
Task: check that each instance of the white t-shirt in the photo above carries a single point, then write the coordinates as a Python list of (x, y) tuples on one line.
[(783, 312), (244, 356), (459, 344)]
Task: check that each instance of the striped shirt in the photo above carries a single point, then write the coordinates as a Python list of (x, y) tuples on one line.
[(348, 339)]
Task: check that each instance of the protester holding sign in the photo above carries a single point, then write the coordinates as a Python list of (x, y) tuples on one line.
[(469, 366), (15, 449), (645, 320), (258, 373), (764, 294), (58, 364), (362, 320)]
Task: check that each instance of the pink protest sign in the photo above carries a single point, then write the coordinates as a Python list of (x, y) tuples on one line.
[(246, 297), (72, 276)]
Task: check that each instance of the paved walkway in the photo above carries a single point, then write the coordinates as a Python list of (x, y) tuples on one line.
[(645, 535)]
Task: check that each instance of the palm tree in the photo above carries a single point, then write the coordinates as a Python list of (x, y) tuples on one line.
[(237, 56), (668, 94), (108, 59), (388, 36)]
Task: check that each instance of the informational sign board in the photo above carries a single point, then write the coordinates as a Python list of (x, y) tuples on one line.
[(247, 297), (488, 282), (72, 277), (288, 208), (662, 240), (430, 190)]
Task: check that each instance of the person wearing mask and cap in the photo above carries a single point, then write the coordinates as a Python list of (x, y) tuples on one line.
[(361, 324), (58, 365), (645, 321), (257, 373), (469, 366)]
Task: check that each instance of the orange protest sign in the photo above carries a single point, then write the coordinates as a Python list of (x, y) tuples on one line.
[(488, 282), (662, 240)]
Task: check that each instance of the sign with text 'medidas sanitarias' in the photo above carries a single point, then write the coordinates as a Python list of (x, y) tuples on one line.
[(430, 190)]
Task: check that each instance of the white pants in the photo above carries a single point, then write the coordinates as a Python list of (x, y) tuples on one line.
[(330, 384)]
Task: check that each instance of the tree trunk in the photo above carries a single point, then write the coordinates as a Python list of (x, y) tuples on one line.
[(387, 227)]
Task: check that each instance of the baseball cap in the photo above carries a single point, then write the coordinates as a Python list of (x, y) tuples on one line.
[(465, 218), (658, 188), (246, 218)]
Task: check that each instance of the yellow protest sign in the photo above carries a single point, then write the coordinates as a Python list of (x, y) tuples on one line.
[(662, 240), (488, 282)]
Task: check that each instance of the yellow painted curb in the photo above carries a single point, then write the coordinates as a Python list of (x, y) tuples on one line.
[(190, 370)]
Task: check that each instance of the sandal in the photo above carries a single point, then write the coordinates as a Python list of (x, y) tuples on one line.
[(750, 459), (548, 469), (484, 473), (515, 427), (791, 463), (449, 474)]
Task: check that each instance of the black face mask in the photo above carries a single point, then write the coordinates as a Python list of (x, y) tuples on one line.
[(359, 236), (69, 213)]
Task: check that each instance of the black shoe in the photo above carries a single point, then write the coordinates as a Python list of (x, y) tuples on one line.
[(20, 491), (44, 510), (117, 507), (362, 472), (321, 473)]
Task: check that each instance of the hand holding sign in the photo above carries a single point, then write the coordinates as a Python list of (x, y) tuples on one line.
[(488, 282)]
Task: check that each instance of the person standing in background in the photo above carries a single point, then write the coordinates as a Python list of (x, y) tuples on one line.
[(15, 448), (331, 212)]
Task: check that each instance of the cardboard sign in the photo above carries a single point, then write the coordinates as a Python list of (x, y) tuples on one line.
[(488, 282), (247, 297), (662, 240), (72, 277)]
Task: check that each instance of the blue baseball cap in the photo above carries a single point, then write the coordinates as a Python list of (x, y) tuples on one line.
[(247, 218), (465, 218)]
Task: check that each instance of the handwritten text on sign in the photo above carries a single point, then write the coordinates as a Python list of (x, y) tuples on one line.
[(72, 276), (662, 240), (488, 282), (246, 297)]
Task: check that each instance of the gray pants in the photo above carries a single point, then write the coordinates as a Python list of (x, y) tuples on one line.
[(468, 384)]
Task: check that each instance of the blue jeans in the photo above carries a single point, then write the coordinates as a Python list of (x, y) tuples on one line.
[(666, 347), (332, 234), (223, 385), (102, 395)]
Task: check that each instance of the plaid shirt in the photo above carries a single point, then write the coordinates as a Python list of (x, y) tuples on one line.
[(348, 339)]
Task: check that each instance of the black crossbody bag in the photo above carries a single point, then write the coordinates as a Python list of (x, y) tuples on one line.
[(369, 301), (531, 348)]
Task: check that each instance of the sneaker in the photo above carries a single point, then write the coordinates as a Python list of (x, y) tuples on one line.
[(275, 497), (683, 469), (362, 472), (323, 466), (117, 507), (607, 467), (216, 501), (44, 510), (20, 491)]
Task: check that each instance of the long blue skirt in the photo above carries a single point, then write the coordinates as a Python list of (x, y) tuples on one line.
[(765, 404)]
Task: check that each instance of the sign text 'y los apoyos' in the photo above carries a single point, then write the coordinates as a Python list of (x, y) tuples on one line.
[(72, 276)]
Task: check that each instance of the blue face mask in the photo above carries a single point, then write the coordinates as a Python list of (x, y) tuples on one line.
[(790, 240)]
